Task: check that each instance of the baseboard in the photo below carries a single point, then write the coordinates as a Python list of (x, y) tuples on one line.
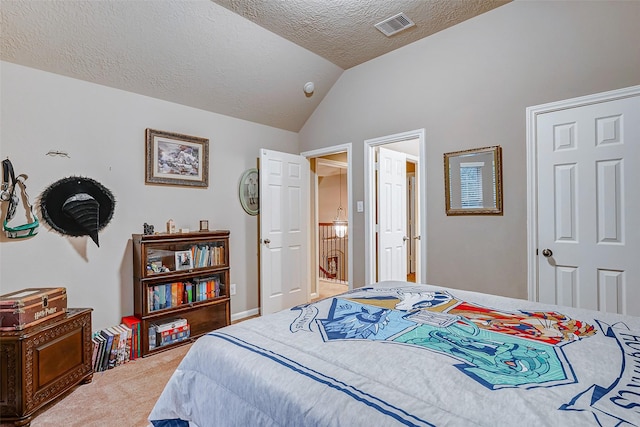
[(237, 317)]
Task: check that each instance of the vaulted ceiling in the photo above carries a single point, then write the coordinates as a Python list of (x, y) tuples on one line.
[(247, 59)]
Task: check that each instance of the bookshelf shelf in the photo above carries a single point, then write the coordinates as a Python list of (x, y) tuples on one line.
[(181, 275)]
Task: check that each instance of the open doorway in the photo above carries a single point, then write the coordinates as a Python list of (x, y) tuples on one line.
[(331, 252), (395, 239), (413, 219), (333, 227)]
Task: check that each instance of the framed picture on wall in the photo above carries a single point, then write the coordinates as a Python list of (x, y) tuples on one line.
[(249, 191), (175, 159)]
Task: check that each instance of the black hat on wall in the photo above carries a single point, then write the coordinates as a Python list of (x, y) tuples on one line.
[(77, 206)]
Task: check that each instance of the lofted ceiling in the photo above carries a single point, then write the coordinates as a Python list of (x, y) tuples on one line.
[(247, 59)]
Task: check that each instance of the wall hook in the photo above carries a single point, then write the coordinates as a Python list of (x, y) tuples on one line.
[(58, 153)]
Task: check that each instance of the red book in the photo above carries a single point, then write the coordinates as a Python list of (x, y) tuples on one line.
[(133, 323)]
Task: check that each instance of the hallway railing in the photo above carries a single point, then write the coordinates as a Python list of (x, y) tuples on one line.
[(332, 254)]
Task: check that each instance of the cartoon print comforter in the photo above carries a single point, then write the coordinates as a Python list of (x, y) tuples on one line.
[(397, 353)]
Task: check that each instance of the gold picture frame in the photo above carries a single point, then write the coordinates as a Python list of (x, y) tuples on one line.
[(473, 181), (176, 159)]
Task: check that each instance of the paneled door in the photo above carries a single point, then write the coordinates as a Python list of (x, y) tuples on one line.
[(392, 215), (588, 206), (284, 236)]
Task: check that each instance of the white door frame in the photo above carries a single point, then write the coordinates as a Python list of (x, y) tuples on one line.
[(320, 152), (370, 198), (532, 168)]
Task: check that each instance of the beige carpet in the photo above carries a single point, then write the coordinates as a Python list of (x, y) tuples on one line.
[(122, 396), (328, 289)]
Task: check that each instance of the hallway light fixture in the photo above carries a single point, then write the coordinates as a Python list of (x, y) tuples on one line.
[(340, 225)]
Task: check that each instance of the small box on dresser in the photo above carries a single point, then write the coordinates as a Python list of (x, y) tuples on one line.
[(41, 363), (28, 307)]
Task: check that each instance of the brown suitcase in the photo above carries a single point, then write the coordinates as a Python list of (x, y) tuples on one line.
[(28, 307)]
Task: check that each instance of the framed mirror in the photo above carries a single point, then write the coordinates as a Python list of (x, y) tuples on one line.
[(473, 181)]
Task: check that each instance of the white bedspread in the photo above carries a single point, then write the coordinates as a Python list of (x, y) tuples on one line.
[(415, 355)]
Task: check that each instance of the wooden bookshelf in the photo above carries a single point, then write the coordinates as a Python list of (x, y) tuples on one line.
[(184, 275)]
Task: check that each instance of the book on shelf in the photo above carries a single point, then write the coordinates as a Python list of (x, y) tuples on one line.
[(189, 292), (219, 256), (169, 323), (209, 289), (173, 335), (156, 298), (152, 336), (178, 287), (207, 255), (216, 287), (167, 292), (198, 292), (174, 294)]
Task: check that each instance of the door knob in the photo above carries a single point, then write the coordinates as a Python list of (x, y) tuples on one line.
[(547, 253), (405, 238), (266, 241)]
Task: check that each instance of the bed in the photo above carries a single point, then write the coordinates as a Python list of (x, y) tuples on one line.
[(398, 353)]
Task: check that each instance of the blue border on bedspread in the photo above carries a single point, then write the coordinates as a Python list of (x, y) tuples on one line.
[(176, 422)]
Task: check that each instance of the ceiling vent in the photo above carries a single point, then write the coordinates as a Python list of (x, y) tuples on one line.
[(395, 24)]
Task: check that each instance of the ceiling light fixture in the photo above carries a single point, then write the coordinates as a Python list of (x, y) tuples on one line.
[(308, 88), (340, 225)]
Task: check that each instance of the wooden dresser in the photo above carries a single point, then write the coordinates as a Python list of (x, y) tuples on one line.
[(39, 364)]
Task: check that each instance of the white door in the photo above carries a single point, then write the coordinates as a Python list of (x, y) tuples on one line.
[(392, 215), (284, 219), (589, 206)]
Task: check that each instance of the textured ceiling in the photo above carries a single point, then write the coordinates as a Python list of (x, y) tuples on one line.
[(343, 32), (201, 54)]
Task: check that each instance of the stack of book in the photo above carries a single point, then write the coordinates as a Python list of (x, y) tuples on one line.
[(207, 255), (174, 294), (168, 331), (133, 323), (116, 345)]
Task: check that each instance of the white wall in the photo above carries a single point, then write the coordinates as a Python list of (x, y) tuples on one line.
[(330, 197), (469, 86), (102, 129)]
